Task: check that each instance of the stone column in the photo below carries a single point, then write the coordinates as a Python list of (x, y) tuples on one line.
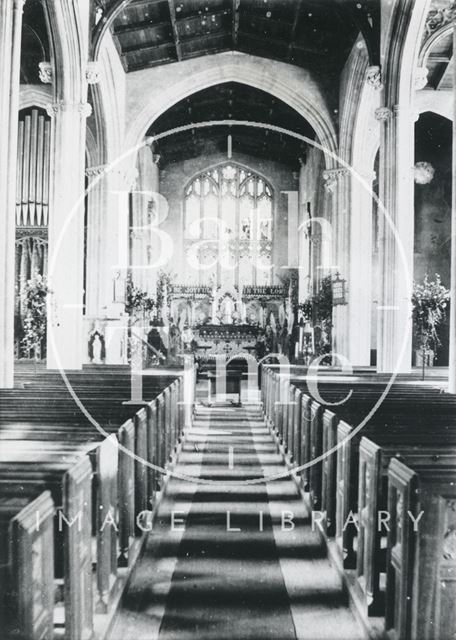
[(337, 183), (144, 206), (153, 247), (303, 239), (396, 238), (66, 234), (360, 271), (452, 358), (10, 54), (96, 233)]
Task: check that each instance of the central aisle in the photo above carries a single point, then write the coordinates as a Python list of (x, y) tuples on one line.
[(232, 556)]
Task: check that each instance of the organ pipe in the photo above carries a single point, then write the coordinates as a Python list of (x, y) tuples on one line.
[(33, 158), (20, 152), (26, 170), (46, 166), (39, 171)]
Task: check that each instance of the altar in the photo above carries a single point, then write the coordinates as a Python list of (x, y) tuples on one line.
[(226, 320), (228, 340)]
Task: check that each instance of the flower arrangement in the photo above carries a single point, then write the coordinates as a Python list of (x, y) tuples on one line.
[(429, 302), (164, 283), (137, 301), (34, 299), (322, 303), (306, 309)]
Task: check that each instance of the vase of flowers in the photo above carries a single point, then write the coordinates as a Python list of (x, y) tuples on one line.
[(429, 303), (137, 302), (34, 302), (322, 304)]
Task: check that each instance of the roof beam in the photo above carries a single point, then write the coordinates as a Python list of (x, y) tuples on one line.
[(265, 40), (110, 13), (235, 10), (138, 48), (138, 26), (172, 13)]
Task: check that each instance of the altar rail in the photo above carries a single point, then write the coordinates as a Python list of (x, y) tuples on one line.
[(404, 578)]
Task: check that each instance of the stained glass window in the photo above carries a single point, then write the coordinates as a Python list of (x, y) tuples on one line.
[(228, 215)]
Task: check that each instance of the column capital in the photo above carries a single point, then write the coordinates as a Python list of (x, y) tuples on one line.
[(93, 72), (374, 77), (46, 72), (331, 177), (439, 18), (61, 106), (421, 78), (382, 114), (96, 171)]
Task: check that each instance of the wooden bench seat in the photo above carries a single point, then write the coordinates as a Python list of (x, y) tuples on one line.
[(412, 425), (374, 459), (70, 484), (27, 598), (44, 439), (421, 564)]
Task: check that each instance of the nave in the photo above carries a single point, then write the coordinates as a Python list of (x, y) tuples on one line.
[(243, 561), (283, 515)]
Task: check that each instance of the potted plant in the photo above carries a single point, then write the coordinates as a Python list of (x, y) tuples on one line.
[(429, 304), (138, 304), (34, 299), (322, 304)]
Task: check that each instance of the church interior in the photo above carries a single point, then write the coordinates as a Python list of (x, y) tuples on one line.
[(227, 331)]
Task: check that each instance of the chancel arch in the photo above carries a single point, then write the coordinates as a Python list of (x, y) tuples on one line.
[(277, 79)]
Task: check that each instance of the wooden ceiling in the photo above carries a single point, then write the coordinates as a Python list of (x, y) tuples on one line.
[(231, 101), (316, 34)]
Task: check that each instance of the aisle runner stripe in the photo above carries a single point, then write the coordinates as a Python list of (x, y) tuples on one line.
[(228, 584)]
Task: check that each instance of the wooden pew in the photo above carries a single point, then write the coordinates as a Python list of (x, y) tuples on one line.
[(70, 485), (421, 565), (348, 468), (27, 597), (374, 459), (139, 436)]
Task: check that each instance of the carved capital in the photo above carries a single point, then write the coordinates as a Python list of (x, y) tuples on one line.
[(93, 72), (421, 78), (331, 176), (438, 18), (95, 171), (45, 72), (382, 114), (374, 77), (61, 106)]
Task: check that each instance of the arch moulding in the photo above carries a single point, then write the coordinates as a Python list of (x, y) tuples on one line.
[(170, 84)]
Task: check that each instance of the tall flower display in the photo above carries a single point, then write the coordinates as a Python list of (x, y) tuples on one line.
[(34, 299), (429, 301)]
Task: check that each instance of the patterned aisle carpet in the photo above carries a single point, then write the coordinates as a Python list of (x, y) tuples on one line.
[(233, 556)]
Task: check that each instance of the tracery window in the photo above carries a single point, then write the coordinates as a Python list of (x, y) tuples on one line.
[(228, 227)]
